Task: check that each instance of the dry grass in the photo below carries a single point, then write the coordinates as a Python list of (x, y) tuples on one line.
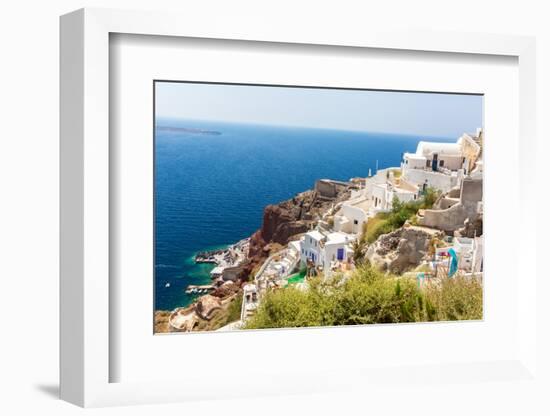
[(375, 227), (456, 299)]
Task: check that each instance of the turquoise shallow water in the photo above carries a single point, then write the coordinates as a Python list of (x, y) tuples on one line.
[(210, 189)]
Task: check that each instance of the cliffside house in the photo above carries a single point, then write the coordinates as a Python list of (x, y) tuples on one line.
[(384, 193), (311, 247), (352, 214), (442, 165), (376, 195), (326, 251)]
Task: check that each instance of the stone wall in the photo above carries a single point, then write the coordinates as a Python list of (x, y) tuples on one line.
[(453, 218), (454, 193), (471, 192), (329, 189), (449, 219), (446, 202)]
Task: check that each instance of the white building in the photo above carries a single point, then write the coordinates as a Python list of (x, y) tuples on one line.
[(352, 215), (326, 251), (336, 250), (383, 194), (435, 156), (377, 195), (311, 247), (443, 181), (470, 253), (295, 246), (441, 165)]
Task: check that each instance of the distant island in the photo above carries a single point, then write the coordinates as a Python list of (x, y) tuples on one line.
[(189, 130)]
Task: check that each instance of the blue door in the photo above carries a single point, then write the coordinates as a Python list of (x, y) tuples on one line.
[(340, 254), (434, 162)]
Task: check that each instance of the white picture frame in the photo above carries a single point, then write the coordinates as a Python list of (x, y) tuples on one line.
[(85, 211)]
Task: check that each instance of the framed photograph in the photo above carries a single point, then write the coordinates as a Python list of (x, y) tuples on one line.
[(287, 207), (273, 212)]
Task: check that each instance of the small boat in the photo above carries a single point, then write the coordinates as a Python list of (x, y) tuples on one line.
[(167, 285)]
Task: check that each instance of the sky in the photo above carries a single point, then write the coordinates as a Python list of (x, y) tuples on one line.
[(427, 114)]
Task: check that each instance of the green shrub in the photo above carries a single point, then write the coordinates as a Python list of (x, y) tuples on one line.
[(287, 308), (386, 222), (429, 198), (368, 297), (378, 299), (456, 299), (234, 309)]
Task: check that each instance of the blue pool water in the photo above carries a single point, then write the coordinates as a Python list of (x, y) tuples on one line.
[(210, 189)]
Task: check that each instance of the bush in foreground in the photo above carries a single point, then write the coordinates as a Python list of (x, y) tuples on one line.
[(368, 297), (456, 299)]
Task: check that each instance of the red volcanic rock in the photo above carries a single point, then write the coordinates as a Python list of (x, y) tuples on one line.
[(288, 218), (226, 289)]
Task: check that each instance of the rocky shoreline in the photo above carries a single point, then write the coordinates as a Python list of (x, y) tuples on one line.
[(209, 256)]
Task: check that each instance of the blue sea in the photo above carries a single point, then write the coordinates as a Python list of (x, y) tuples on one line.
[(210, 189)]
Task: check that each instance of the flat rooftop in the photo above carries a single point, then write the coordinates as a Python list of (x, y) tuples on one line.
[(316, 235), (362, 203), (338, 238)]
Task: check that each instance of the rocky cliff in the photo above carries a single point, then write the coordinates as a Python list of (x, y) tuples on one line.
[(402, 249)]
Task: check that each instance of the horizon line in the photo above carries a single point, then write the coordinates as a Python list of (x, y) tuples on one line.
[(157, 117)]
